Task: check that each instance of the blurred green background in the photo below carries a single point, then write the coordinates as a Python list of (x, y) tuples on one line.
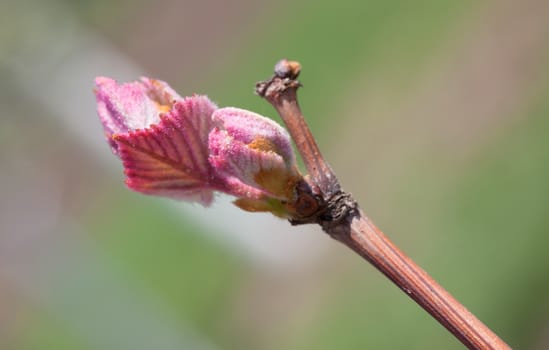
[(435, 115)]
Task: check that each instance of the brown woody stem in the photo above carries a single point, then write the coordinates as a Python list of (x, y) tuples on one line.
[(342, 219), (281, 92)]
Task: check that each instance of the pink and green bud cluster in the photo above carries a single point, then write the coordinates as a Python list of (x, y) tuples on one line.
[(188, 148)]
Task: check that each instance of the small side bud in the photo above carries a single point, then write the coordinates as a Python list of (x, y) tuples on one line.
[(287, 69), (254, 154)]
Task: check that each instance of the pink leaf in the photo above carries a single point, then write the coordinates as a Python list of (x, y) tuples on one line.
[(186, 148), (131, 106), (253, 154), (171, 158)]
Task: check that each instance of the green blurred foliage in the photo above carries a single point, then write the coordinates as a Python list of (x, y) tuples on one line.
[(168, 255)]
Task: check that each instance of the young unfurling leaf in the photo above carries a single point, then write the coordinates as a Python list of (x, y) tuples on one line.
[(187, 148)]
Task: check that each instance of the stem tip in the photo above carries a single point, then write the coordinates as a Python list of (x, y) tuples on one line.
[(287, 69)]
